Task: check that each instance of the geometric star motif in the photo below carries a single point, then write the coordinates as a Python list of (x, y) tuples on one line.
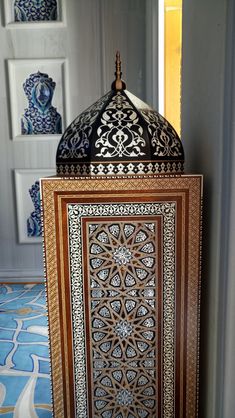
[(122, 259)]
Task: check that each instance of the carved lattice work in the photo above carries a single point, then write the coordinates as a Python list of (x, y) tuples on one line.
[(122, 253), (123, 291)]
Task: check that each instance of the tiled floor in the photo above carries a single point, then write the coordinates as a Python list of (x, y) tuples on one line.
[(24, 359)]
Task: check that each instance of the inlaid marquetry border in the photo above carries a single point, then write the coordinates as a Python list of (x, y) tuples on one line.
[(167, 210), (157, 221), (55, 191)]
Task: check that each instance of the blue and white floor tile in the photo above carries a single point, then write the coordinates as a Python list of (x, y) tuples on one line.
[(24, 356)]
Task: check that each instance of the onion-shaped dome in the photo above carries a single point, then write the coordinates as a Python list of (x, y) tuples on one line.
[(119, 135)]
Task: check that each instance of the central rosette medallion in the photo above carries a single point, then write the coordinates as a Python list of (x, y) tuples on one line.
[(122, 255), (123, 329), (124, 397)]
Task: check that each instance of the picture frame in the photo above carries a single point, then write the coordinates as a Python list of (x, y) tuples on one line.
[(24, 179), (20, 71), (10, 22)]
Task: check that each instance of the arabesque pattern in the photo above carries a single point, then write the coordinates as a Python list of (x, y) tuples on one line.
[(75, 142), (164, 139), (120, 133)]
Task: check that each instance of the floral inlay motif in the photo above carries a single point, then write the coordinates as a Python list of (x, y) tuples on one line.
[(76, 139), (164, 138), (120, 133), (122, 255)]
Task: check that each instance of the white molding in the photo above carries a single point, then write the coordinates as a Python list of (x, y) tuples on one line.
[(57, 68), (11, 24), (30, 138), (19, 280), (19, 276)]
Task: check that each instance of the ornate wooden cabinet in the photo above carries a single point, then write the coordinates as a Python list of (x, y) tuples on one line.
[(122, 257)]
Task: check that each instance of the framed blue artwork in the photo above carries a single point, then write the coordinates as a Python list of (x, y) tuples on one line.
[(38, 98), (34, 13), (28, 205), (35, 10), (40, 117)]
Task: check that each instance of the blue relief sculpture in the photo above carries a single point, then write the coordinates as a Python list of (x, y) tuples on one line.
[(34, 226), (40, 117), (35, 10)]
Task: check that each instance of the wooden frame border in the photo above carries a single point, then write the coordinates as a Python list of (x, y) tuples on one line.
[(57, 188)]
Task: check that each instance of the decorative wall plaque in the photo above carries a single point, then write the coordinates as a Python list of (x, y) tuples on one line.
[(122, 258), (38, 98), (34, 225), (35, 10), (40, 117), (34, 14), (28, 205)]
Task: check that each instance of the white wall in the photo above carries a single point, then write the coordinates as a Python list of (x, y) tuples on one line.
[(207, 120), (228, 319), (95, 30)]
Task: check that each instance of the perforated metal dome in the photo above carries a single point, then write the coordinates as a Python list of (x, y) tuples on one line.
[(119, 135)]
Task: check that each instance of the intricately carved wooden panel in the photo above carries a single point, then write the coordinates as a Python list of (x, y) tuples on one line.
[(122, 263), (122, 312)]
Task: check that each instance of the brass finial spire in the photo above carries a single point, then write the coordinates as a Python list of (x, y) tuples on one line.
[(118, 84)]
